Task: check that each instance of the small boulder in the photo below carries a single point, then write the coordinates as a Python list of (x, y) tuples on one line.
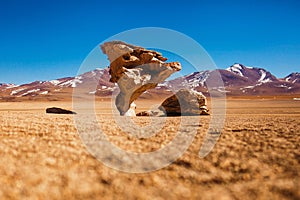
[(147, 113), (185, 102), (55, 110)]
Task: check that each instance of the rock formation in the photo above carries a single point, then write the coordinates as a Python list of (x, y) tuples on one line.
[(185, 102), (135, 70), (55, 110)]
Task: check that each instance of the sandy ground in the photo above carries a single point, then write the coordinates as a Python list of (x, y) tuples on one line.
[(256, 157)]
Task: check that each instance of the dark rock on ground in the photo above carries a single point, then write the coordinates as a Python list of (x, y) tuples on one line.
[(147, 113), (55, 110)]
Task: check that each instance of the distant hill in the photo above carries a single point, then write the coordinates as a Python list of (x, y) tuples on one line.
[(238, 80), (241, 80)]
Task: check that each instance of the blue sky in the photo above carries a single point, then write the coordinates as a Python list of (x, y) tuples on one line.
[(44, 40)]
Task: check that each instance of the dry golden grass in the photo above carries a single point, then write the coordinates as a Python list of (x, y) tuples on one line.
[(256, 157)]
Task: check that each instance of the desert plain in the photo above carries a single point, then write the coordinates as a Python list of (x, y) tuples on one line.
[(256, 157)]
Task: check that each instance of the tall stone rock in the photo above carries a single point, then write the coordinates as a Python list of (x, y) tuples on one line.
[(135, 70)]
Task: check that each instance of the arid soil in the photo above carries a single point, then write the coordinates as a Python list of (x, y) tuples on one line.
[(256, 157)]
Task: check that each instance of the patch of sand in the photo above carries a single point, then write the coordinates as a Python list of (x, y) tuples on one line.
[(256, 157)]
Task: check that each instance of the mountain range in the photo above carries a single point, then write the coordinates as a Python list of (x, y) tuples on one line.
[(238, 80)]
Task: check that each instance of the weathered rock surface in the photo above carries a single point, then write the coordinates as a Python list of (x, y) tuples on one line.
[(185, 102), (55, 110), (135, 70)]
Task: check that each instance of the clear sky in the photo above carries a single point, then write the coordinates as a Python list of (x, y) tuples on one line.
[(44, 40)]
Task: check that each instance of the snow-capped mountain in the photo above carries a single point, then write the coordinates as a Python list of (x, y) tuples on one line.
[(259, 81), (240, 80), (237, 80), (257, 75), (59, 88), (293, 78)]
